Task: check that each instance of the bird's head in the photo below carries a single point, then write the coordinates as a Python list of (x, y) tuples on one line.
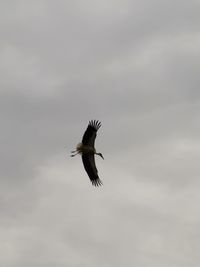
[(99, 154)]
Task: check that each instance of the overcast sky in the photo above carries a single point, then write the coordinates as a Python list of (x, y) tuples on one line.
[(134, 65)]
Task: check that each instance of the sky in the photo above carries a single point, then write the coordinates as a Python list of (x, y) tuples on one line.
[(134, 66)]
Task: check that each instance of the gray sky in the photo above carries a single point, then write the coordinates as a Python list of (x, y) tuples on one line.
[(134, 65)]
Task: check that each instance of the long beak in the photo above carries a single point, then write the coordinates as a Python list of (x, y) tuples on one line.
[(102, 156)]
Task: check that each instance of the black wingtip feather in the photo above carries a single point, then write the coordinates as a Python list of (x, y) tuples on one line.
[(95, 124), (97, 182)]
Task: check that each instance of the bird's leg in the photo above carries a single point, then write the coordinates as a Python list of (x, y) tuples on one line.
[(75, 153)]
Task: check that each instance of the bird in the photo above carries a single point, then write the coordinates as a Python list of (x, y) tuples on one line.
[(87, 150)]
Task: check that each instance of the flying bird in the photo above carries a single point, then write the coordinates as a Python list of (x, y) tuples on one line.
[(87, 150)]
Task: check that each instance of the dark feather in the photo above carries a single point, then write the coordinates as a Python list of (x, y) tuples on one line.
[(90, 167), (90, 133)]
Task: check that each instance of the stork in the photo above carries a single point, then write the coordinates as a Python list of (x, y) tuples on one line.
[(87, 150)]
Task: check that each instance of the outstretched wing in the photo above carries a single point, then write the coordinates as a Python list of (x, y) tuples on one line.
[(90, 133), (90, 167)]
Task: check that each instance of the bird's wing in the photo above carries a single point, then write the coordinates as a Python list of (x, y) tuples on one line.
[(90, 167), (90, 133)]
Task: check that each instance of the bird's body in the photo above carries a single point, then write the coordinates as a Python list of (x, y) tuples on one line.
[(87, 150), (81, 148)]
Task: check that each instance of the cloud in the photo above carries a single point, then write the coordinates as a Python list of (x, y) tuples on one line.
[(133, 66)]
